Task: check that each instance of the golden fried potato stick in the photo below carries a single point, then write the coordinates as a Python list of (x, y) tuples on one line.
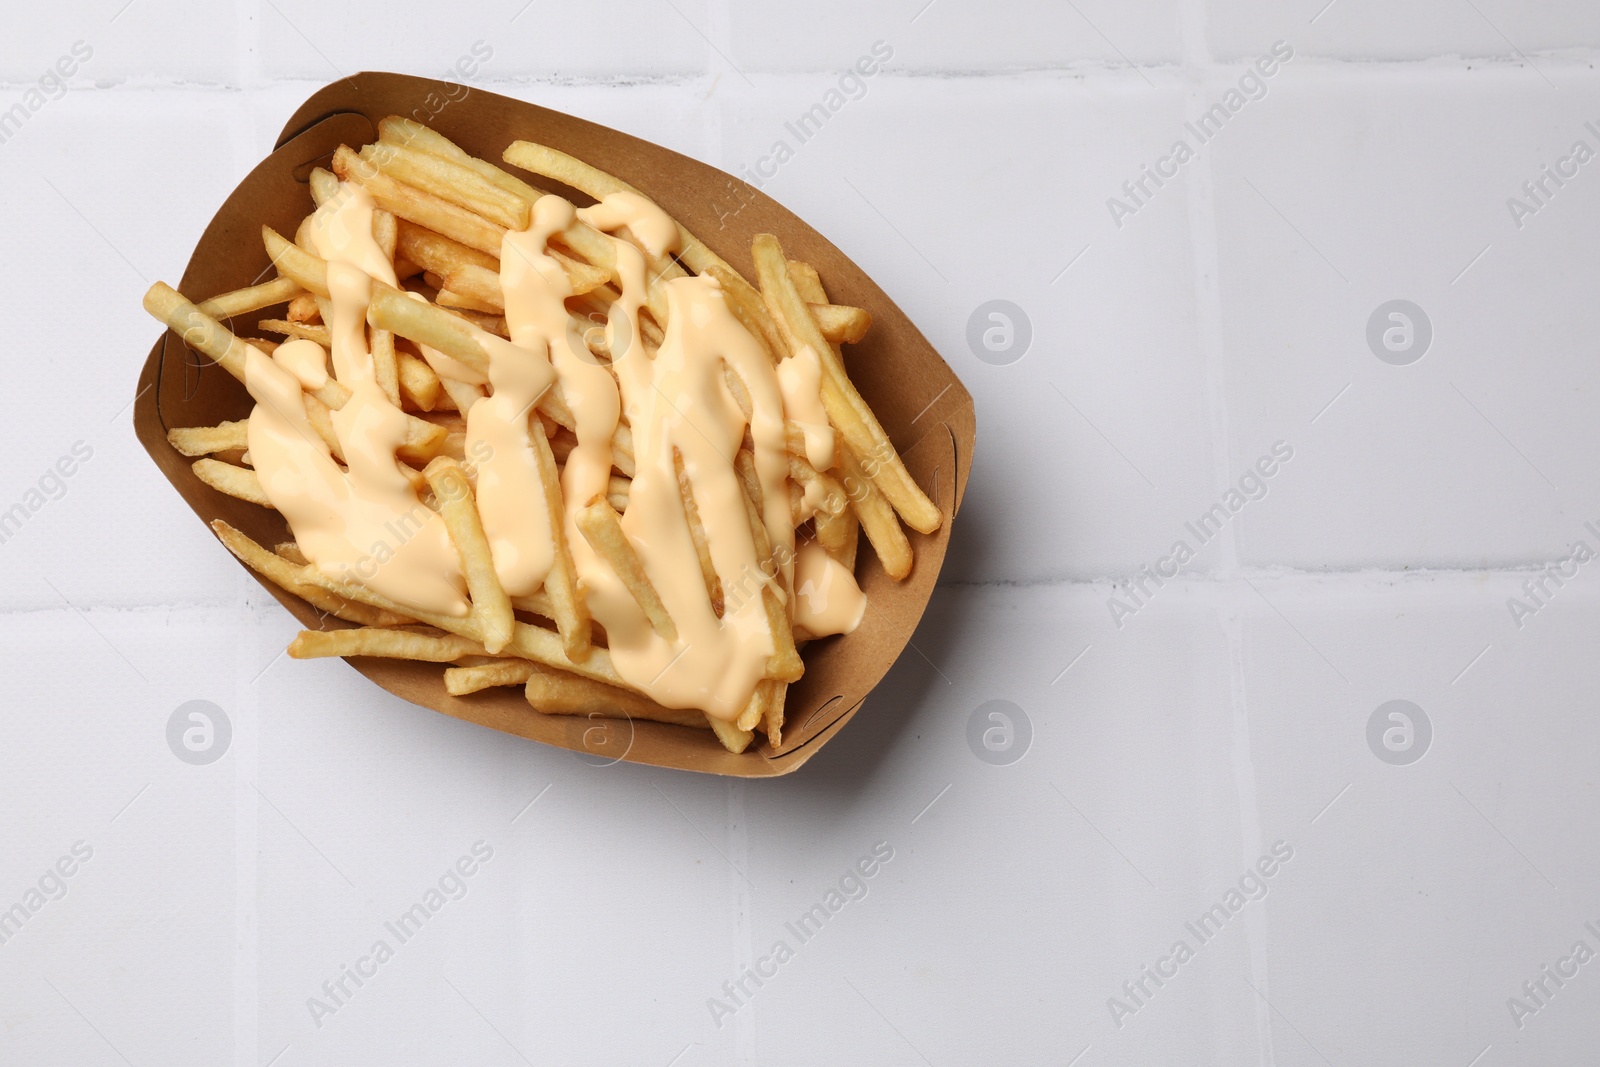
[(772, 723), (462, 681), (755, 710), (385, 364), (567, 601), (384, 643), (390, 309), (697, 533), (495, 324), (206, 440), (839, 533), (253, 298), (438, 253), (290, 576), (877, 517), (537, 602), (324, 186), (568, 170), (733, 739), (846, 409), (238, 482), (840, 322), (451, 181), (419, 385), (482, 284), (747, 306), (400, 131), (617, 492), (419, 206), (558, 694), (784, 664), (529, 642), (448, 298), (209, 337), (290, 551), (601, 527), (304, 310), (833, 528), (458, 507), (303, 331)]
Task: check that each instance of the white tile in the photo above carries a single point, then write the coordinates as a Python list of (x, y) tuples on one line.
[(1364, 30), (102, 234), (1167, 749), (484, 39), (103, 43), (1431, 890), (1402, 186), (917, 35), (1071, 426)]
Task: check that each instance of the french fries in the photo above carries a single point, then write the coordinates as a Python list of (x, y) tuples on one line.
[(440, 217)]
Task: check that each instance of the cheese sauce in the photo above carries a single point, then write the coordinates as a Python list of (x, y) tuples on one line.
[(676, 402), (364, 523)]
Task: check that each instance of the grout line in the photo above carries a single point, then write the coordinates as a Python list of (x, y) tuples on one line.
[(1576, 60), (1273, 577), (1200, 190)]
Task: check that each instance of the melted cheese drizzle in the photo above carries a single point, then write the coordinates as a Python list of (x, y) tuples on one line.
[(827, 599), (365, 523), (677, 402), (800, 378)]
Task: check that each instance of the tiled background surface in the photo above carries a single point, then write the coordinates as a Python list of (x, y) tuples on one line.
[(1165, 756)]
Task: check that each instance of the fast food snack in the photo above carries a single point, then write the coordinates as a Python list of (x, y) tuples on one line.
[(491, 510)]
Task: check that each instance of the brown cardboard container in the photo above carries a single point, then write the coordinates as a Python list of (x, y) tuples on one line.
[(922, 405)]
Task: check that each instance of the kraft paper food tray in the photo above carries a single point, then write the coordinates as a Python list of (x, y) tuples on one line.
[(922, 405)]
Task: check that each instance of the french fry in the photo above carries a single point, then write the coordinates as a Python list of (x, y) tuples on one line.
[(209, 337), (733, 739), (396, 130), (839, 533), (617, 490), (840, 322), (877, 518), (568, 170), (537, 602), (846, 409), (450, 181), (206, 440), (317, 333), (833, 527), (599, 524), (384, 643), (437, 253), (304, 310), (772, 723), (290, 575), (697, 532), (461, 681), (419, 206), (238, 482), (324, 186), (419, 385), (391, 309), (386, 365), (784, 663), (253, 298), (551, 693), (491, 607), (571, 610)]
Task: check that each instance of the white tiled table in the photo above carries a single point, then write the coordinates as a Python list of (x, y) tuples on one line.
[(1167, 755)]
